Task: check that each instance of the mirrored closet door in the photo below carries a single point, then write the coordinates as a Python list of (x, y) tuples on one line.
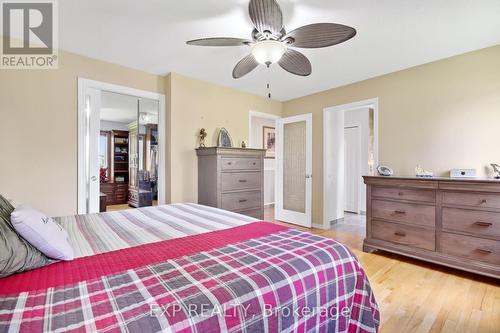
[(143, 187), (120, 161)]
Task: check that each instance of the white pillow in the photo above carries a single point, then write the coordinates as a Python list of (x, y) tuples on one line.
[(42, 232)]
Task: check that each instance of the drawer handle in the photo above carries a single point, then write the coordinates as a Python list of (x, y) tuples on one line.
[(401, 234), (254, 163), (400, 194), (483, 224), (242, 180), (484, 251), (400, 212), (484, 201), (242, 200), (229, 163)]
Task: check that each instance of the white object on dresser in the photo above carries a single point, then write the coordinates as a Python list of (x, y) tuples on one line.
[(463, 173)]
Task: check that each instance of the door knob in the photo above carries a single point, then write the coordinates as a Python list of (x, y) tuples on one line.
[(309, 176), (93, 178)]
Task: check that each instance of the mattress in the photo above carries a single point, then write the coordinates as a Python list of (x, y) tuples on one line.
[(190, 268)]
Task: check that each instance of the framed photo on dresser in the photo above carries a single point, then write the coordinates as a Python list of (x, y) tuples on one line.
[(269, 141)]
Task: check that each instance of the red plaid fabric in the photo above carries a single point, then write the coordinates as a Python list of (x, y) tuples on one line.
[(287, 281)]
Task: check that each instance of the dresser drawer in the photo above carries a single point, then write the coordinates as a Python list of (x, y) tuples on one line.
[(415, 214), (121, 198), (108, 190), (121, 190), (472, 221), (484, 250), (404, 194), (106, 187), (240, 181), (477, 200), (241, 200), (405, 235), (110, 199), (240, 163)]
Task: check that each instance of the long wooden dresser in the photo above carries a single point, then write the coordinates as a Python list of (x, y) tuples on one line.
[(453, 222), (232, 179), (116, 193)]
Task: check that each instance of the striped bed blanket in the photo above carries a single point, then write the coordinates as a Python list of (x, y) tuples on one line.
[(98, 233), (189, 268)]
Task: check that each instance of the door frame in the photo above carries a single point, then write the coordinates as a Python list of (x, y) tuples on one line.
[(257, 114), (328, 163), (92, 203), (358, 169), (280, 213), (251, 139), (83, 85)]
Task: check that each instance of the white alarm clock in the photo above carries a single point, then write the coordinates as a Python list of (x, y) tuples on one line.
[(385, 170)]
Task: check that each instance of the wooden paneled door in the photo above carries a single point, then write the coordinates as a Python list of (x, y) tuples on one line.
[(294, 170)]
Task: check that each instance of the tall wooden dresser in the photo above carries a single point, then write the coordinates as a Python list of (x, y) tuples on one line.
[(453, 222), (232, 179)]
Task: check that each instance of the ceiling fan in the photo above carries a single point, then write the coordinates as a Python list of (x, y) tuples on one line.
[(271, 43)]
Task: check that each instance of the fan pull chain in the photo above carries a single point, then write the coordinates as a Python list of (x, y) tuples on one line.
[(269, 83)]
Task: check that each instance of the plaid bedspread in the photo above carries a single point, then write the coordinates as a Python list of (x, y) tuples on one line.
[(282, 281)]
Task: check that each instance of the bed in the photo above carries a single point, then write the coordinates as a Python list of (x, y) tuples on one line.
[(190, 268)]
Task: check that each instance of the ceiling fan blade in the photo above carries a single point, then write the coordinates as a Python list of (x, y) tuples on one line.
[(295, 63), (219, 41), (319, 35), (266, 15), (245, 66)]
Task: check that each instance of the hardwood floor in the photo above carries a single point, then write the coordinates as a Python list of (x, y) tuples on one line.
[(414, 296), (114, 208)]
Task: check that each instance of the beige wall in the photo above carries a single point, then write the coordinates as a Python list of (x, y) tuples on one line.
[(198, 104), (38, 128), (440, 115)]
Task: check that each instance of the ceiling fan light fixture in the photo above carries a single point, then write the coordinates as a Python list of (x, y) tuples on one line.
[(272, 43), (268, 52)]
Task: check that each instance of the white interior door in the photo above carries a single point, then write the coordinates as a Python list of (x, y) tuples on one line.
[(294, 169), (93, 108), (352, 165)]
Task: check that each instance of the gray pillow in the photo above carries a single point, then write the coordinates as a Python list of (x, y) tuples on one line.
[(6, 208), (16, 254)]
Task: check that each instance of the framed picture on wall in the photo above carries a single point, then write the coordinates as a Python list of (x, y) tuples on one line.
[(269, 141)]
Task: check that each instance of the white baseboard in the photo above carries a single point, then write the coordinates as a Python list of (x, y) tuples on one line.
[(319, 226), (337, 221)]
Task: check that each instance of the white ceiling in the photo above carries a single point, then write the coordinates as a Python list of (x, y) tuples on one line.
[(123, 108), (392, 35)]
